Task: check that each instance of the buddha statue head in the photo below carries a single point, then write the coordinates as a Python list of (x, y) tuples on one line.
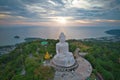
[(62, 37)]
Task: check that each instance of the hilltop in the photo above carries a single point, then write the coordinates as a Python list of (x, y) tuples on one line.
[(25, 62)]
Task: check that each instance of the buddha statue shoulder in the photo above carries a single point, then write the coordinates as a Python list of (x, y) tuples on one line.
[(62, 46)]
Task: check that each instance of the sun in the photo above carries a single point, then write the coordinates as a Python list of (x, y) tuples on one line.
[(61, 20)]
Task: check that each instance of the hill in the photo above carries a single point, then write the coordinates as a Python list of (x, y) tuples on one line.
[(26, 61), (115, 32)]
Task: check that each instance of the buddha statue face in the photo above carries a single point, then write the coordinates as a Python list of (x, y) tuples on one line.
[(62, 37)]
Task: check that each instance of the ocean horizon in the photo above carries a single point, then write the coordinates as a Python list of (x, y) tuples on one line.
[(7, 34)]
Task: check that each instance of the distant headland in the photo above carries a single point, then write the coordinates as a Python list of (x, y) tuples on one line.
[(32, 39), (115, 32)]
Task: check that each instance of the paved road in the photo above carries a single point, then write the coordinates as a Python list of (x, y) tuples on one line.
[(84, 69)]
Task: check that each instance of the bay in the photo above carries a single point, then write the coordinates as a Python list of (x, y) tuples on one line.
[(7, 33)]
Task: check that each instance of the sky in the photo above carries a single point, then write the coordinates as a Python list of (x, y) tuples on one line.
[(60, 12)]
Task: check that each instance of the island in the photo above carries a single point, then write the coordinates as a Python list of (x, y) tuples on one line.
[(17, 37)]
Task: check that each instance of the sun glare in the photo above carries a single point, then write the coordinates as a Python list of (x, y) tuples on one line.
[(61, 20)]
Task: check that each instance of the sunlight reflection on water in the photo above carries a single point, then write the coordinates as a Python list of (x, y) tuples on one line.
[(7, 33)]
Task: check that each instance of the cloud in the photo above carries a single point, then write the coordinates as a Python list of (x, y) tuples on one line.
[(52, 2), (47, 10)]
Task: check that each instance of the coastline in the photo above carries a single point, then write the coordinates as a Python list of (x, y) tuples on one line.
[(8, 48), (115, 32), (115, 37), (50, 33)]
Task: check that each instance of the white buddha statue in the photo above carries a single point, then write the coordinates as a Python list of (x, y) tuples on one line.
[(63, 57)]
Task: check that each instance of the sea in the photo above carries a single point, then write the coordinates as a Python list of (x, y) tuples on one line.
[(8, 33)]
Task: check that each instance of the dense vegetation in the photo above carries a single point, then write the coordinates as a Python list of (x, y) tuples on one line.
[(12, 64), (104, 57)]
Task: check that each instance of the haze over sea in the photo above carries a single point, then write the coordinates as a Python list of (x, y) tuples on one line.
[(7, 33)]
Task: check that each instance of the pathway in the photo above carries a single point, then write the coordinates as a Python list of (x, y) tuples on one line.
[(81, 73)]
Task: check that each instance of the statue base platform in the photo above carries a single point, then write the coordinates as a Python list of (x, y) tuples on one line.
[(81, 70), (62, 68), (72, 75)]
